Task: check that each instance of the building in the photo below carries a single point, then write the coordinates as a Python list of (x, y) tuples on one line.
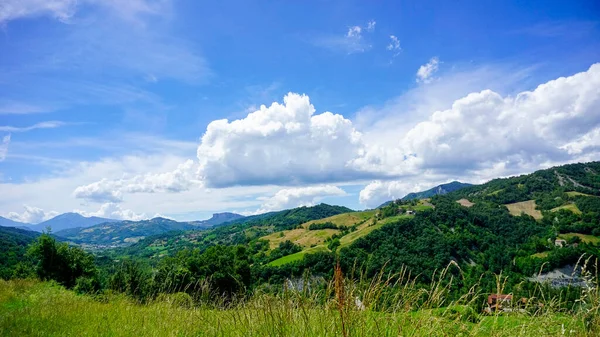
[(498, 302), (560, 243)]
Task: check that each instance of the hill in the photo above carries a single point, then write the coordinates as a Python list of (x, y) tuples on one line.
[(113, 234), (69, 220), (217, 219), (240, 231), (437, 190), (4, 222), (14, 243)]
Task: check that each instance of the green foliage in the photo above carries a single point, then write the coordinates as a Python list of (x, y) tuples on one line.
[(14, 242), (61, 262), (323, 225), (285, 248)]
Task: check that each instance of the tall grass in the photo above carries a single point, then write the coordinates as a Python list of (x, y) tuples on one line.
[(348, 305)]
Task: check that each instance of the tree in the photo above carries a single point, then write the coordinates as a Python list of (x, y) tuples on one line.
[(61, 262)]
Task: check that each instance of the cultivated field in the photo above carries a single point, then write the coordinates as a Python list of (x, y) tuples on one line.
[(527, 207)]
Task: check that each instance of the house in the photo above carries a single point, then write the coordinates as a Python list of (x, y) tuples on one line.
[(560, 243), (410, 212), (498, 302)]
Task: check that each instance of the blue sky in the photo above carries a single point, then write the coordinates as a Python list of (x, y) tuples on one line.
[(108, 107)]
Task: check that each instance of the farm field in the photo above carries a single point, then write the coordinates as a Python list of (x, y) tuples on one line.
[(527, 207)]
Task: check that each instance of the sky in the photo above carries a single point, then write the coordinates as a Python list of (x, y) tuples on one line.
[(142, 108)]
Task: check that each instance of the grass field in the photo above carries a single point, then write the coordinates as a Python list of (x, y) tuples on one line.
[(307, 238), (576, 194), (33, 308), (569, 207), (541, 255), (302, 236), (527, 207), (465, 202), (584, 237)]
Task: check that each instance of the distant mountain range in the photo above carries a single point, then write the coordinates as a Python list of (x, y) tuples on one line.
[(437, 190), (69, 220), (4, 222), (121, 233), (217, 219)]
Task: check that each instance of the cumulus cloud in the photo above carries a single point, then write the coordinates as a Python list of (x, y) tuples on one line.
[(111, 191), (427, 70), (283, 144), (41, 125), (486, 135), (31, 215), (114, 211), (4, 147), (296, 197)]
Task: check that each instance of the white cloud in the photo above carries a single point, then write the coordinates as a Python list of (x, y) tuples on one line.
[(485, 135), (352, 42), (4, 147), (427, 70), (41, 125), (371, 25), (64, 10), (394, 44), (114, 211), (284, 144), (296, 197), (354, 32), (178, 180), (32, 215)]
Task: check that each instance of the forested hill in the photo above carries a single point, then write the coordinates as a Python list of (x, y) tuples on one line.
[(291, 217), (438, 190), (14, 242), (542, 186), (239, 231)]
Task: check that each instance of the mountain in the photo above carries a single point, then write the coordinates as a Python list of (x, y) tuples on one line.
[(122, 233), (238, 231), (438, 190), (69, 220), (4, 222), (217, 219)]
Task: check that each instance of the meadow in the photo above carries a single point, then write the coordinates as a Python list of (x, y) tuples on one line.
[(35, 308)]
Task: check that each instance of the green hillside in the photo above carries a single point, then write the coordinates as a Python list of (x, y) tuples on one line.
[(245, 230), (14, 242), (114, 234)]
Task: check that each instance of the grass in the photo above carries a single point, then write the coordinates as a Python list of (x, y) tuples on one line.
[(363, 229), (585, 238), (465, 202), (34, 308), (527, 207), (541, 255), (569, 207), (576, 194), (307, 238)]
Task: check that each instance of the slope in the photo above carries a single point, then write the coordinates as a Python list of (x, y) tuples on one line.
[(239, 231), (437, 190), (69, 220), (112, 234), (14, 242), (4, 222)]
